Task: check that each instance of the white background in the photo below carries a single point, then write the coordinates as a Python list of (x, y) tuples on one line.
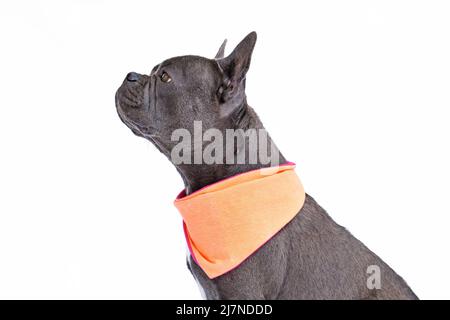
[(355, 92)]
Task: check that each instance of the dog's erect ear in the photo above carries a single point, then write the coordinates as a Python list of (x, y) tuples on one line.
[(221, 53), (236, 65)]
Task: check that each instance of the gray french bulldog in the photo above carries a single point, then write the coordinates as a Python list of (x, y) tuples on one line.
[(312, 257)]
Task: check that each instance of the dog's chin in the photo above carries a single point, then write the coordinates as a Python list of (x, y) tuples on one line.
[(132, 125), (138, 130)]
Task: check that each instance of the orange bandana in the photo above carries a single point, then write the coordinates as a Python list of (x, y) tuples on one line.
[(226, 222)]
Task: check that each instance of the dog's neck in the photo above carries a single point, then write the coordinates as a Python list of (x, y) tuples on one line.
[(197, 176)]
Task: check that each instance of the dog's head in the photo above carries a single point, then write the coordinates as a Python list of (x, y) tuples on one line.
[(181, 90)]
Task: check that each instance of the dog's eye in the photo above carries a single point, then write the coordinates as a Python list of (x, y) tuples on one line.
[(165, 77)]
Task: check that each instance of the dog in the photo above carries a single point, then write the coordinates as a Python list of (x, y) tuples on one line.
[(311, 257)]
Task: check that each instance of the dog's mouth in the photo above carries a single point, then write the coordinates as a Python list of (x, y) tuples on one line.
[(128, 105), (131, 96), (132, 107)]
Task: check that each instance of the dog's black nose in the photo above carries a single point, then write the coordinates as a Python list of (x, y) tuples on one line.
[(133, 77)]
